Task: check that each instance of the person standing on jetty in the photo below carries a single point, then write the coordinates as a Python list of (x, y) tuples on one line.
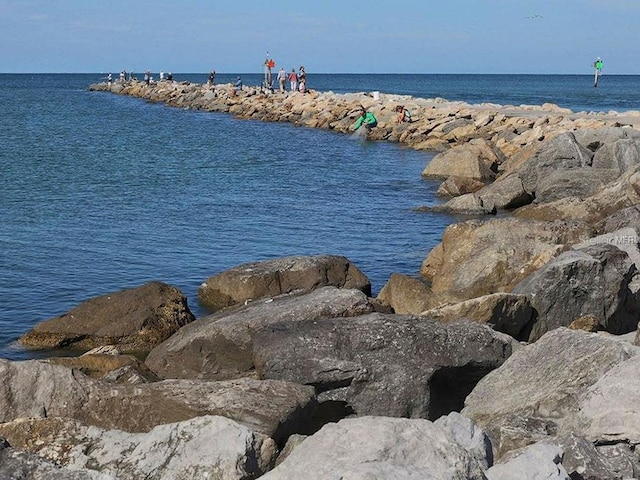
[(293, 80), (236, 86), (212, 78), (366, 119), (282, 79)]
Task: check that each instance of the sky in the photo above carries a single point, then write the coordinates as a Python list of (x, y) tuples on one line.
[(327, 36)]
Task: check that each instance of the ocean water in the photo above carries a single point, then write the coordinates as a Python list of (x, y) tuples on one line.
[(100, 192)]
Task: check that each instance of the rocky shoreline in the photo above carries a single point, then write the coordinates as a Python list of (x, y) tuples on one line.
[(512, 356)]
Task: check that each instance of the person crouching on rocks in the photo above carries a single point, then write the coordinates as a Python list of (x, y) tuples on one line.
[(403, 114), (366, 119)]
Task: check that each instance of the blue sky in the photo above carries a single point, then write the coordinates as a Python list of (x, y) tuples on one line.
[(327, 36)]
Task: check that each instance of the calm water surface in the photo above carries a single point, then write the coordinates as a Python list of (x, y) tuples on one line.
[(100, 192)]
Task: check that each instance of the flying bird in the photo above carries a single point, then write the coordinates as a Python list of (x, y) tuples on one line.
[(532, 17)]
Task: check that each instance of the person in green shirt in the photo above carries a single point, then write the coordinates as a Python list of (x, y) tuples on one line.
[(366, 118)]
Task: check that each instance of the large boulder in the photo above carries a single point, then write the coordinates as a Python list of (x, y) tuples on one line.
[(622, 193), (479, 258), (210, 447), (384, 448), (594, 280), (39, 389), (271, 278), (561, 153), (505, 193), (621, 155), (135, 319), (477, 159), (383, 364), (536, 393), (577, 182), (220, 346)]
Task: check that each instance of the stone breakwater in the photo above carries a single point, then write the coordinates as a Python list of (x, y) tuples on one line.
[(437, 124), (299, 373)]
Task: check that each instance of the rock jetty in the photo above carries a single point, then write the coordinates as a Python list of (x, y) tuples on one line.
[(513, 354)]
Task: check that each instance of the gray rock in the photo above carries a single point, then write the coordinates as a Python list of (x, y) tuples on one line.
[(621, 155), (586, 461), (220, 346), (271, 278), (574, 182), (537, 391), (595, 138), (393, 365), (505, 193), (626, 217), (37, 389), (477, 160), (609, 408), (505, 312), (205, 447), (538, 462), (468, 204), (560, 153), (594, 280), (379, 448), (135, 320), (19, 465), (407, 294), (292, 442), (456, 186)]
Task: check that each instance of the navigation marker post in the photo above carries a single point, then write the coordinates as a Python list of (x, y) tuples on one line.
[(598, 66)]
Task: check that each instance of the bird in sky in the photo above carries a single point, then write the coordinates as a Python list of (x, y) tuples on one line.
[(532, 17)]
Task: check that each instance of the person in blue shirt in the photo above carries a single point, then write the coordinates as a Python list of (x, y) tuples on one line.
[(366, 119)]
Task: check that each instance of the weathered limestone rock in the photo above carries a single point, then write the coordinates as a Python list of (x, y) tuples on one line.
[(626, 217), (205, 447), (538, 462), (16, 464), (100, 365), (379, 447), (505, 193), (379, 364), (505, 312), (469, 204), (38, 389), (615, 196), (455, 186), (220, 346), (609, 408), (537, 392), (406, 294), (135, 319), (270, 278), (594, 280), (476, 159), (583, 459), (480, 258)]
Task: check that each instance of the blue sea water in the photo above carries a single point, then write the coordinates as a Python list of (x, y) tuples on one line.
[(100, 192)]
